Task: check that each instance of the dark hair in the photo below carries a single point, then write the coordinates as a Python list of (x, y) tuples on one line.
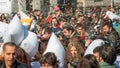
[(49, 58), (62, 19), (22, 56), (108, 54), (79, 25), (107, 22), (12, 44), (68, 27), (97, 49), (55, 18), (88, 61), (48, 30), (80, 16)]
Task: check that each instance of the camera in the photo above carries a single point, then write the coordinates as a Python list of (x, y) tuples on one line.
[(74, 64)]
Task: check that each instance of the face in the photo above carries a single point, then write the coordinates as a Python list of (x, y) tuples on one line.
[(94, 15), (54, 21), (38, 12), (73, 51), (106, 29), (53, 15), (66, 33), (97, 56), (46, 35), (46, 65), (80, 19), (62, 23), (79, 30), (9, 55)]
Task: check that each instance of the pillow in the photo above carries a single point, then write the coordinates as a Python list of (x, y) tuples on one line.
[(30, 44), (15, 31), (3, 29), (55, 46)]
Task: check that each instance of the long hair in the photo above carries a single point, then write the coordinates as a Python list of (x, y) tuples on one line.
[(22, 56), (80, 51)]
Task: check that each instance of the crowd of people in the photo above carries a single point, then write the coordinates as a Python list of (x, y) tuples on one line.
[(90, 40)]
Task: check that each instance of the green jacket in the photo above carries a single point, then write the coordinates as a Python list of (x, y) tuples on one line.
[(106, 65)]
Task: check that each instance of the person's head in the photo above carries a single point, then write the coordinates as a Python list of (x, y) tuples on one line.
[(62, 21), (80, 19), (22, 56), (80, 28), (75, 50), (107, 26), (68, 30), (96, 52), (56, 8), (47, 33), (49, 60), (9, 53), (4, 20), (88, 61), (54, 21), (3, 16), (107, 54), (37, 12), (94, 15)]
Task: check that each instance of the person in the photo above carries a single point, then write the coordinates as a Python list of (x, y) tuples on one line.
[(3, 16), (41, 49), (69, 31), (81, 31), (74, 53), (88, 61), (57, 11), (22, 56), (55, 25), (36, 14), (105, 55), (54, 22), (95, 18), (80, 19), (49, 60), (47, 33), (110, 34), (96, 52), (9, 53)]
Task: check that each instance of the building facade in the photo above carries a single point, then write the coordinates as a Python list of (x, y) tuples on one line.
[(47, 5), (96, 3), (89, 3)]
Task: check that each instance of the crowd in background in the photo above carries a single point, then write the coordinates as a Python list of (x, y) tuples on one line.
[(90, 40)]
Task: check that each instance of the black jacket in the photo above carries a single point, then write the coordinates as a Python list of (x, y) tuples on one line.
[(16, 65)]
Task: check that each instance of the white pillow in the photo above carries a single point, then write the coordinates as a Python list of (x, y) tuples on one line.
[(23, 15), (3, 28), (111, 15), (30, 44), (15, 31), (93, 45), (55, 46)]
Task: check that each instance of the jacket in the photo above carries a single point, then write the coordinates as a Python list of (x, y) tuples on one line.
[(106, 65), (16, 65)]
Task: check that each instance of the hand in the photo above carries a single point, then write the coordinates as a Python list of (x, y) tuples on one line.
[(87, 43)]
